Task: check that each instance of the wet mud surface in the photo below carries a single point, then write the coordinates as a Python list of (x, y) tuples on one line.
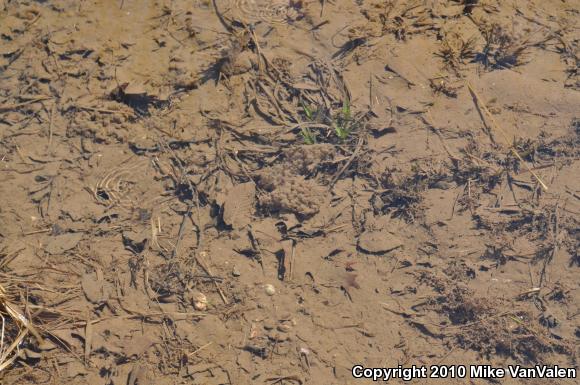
[(270, 192)]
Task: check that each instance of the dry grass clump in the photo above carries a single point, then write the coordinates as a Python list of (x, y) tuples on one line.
[(14, 329), (401, 193), (507, 335), (502, 49), (456, 51), (482, 165), (546, 150), (498, 329), (492, 327), (15, 326)]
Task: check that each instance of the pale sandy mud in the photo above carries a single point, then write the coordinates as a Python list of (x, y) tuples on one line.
[(270, 192)]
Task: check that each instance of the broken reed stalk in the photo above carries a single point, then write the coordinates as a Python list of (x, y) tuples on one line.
[(24, 327), (479, 103)]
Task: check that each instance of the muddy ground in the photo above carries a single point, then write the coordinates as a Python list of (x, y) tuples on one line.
[(253, 192)]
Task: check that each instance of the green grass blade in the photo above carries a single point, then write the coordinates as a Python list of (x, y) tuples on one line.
[(307, 111), (346, 109)]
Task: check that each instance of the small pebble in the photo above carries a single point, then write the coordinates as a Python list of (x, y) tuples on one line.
[(277, 337), (236, 272), (285, 317), (171, 298), (284, 328), (268, 325), (442, 185), (270, 289), (199, 301)]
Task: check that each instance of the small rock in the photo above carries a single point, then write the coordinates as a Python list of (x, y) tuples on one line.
[(270, 289), (170, 298), (442, 185), (277, 337), (378, 242), (257, 350), (269, 325), (284, 328), (236, 272), (285, 317), (198, 300)]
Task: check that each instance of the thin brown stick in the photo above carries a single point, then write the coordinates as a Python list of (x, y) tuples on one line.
[(479, 103), (199, 349), (104, 110), (88, 337), (10, 107), (208, 272), (258, 50), (51, 124), (348, 163), (429, 121), (181, 230)]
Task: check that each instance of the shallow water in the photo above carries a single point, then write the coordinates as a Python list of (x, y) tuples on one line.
[(268, 11)]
